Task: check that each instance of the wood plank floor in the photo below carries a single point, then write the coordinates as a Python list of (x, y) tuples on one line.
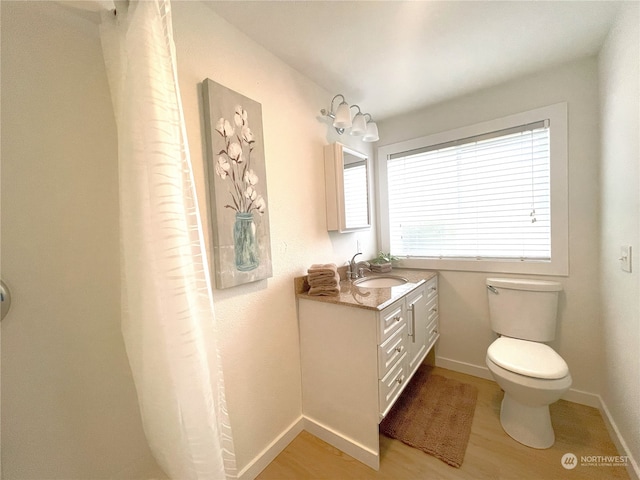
[(491, 453)]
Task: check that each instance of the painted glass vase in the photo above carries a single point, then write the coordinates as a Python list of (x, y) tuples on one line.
[(245, 245)]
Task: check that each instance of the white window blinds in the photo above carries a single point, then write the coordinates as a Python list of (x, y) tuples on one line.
[(484, 197)]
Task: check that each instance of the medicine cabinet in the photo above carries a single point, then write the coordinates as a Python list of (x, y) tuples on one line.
[(347, 182)]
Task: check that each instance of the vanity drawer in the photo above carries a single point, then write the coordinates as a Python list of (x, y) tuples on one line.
[(390, 387), (391, 350), (391, 318), (432, 332), (432, 288), (432, 310)]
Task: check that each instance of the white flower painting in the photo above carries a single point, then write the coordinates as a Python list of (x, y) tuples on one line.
[(234, 163), (237, 187)]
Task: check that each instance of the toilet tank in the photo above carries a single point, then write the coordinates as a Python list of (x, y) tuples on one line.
[(523, 308)]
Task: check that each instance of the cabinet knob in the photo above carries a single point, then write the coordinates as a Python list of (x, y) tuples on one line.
[(398, 349), (397, 318), (400, 380), (433, 289)]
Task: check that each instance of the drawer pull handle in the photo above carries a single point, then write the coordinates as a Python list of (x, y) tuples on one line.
[(399, 349), (400, 380), (434, 309), (397, 318), (433, 289), (412, 334)]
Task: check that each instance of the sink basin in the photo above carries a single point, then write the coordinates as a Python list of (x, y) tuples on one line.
[(382, 281)]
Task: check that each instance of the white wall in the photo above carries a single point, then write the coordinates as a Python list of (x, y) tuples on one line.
[(258, 322), (67, 397), (464, 320), (69, 408), (620, 217)]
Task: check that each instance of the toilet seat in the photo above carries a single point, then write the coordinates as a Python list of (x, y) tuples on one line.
[(524, 357)]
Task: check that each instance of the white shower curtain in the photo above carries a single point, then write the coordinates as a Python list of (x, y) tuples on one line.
[(168, 320)]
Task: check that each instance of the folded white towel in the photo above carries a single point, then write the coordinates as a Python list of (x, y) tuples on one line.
[(324, 281), (324, 291), (323, 268), (321, 275)]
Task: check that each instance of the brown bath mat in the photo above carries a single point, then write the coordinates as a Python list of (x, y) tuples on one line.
[(433, 414)]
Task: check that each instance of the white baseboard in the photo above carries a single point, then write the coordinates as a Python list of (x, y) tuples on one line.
[(264, 458), (573, 395), (583, 398), (463, 367), (346, 445), (621, 445)]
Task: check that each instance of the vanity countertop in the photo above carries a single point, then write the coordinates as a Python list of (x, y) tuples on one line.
[(368, 298)]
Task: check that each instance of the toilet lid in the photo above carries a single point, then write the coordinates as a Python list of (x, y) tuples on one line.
[(532, 359)]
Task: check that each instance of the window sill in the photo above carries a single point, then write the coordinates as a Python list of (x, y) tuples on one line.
[(551, 268)]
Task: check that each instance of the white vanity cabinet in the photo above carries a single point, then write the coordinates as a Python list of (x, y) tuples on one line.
[(357, 361)]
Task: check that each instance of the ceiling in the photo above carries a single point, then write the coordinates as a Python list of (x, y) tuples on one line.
[(391, 57)]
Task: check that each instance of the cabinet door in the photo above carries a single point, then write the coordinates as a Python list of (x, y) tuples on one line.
[(417, 319)]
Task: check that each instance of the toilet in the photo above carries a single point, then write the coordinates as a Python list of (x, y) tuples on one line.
[(523, 313)]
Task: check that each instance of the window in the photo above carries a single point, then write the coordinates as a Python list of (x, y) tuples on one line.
[(480, 197), (491, 197)]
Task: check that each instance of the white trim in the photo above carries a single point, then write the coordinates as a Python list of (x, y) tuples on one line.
[(583, 398), (264, 458), (632, 466), (559, 264), (463, 367), (343, 443), (481, 371)]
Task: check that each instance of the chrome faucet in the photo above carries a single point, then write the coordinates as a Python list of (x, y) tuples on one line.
[(353, 269), (356, 270)]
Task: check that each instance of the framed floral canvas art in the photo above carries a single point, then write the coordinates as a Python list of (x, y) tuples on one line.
[(237, 186)]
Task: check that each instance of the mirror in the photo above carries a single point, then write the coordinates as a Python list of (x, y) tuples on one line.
[(347, 174)]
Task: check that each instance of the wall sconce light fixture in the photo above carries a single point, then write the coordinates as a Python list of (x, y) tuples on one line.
[(359, 125)]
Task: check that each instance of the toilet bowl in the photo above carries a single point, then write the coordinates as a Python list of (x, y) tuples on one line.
[(523, 312), (532, 376)]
